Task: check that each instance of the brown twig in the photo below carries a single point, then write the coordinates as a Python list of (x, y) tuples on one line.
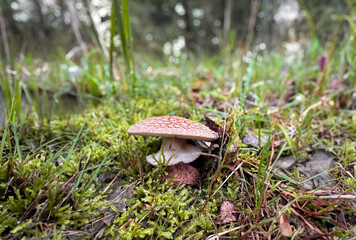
[(316, 229)]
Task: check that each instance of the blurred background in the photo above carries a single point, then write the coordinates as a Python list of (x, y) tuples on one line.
[(59, 56), (170, 28)]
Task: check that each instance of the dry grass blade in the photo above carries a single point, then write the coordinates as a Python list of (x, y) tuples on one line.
[(312, 226), (217, 236)]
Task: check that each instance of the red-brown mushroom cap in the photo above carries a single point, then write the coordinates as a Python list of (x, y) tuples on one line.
[(173, 126)]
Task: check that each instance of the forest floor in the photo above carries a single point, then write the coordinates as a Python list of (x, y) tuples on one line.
[(282, 167)]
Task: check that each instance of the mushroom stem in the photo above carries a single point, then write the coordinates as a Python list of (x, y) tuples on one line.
[(175, 150)]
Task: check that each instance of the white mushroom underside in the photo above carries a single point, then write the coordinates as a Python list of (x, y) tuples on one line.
[(175, 150)]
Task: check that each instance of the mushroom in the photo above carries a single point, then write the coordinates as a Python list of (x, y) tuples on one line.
[(175, 148)]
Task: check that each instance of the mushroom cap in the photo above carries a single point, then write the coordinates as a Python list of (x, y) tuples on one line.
[(173, 126)]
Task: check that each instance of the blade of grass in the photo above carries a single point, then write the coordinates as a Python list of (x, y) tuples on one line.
[(82, 172), (3, 142), (260, 184), (124, 29), (112, 34), (208, 110), (285, 177), (97, 171), (72, 148), (17, 142), (128, 34), (290, 142), (17, 97), (309, 19), (51, 159), (89, 169), (246, 86), (5, 86), (94, 30)]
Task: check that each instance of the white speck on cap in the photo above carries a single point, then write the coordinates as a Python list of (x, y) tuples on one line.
[(173, 126)]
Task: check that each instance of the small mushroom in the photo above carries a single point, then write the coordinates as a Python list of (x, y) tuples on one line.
[(175, 148)]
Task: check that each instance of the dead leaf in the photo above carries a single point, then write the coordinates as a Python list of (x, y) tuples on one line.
[(228, 212), (284, 225), (213, 126)]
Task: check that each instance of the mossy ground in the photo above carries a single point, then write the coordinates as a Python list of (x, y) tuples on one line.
[(62, 177)]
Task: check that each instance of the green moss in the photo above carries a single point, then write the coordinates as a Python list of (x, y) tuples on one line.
[(159, 211)]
